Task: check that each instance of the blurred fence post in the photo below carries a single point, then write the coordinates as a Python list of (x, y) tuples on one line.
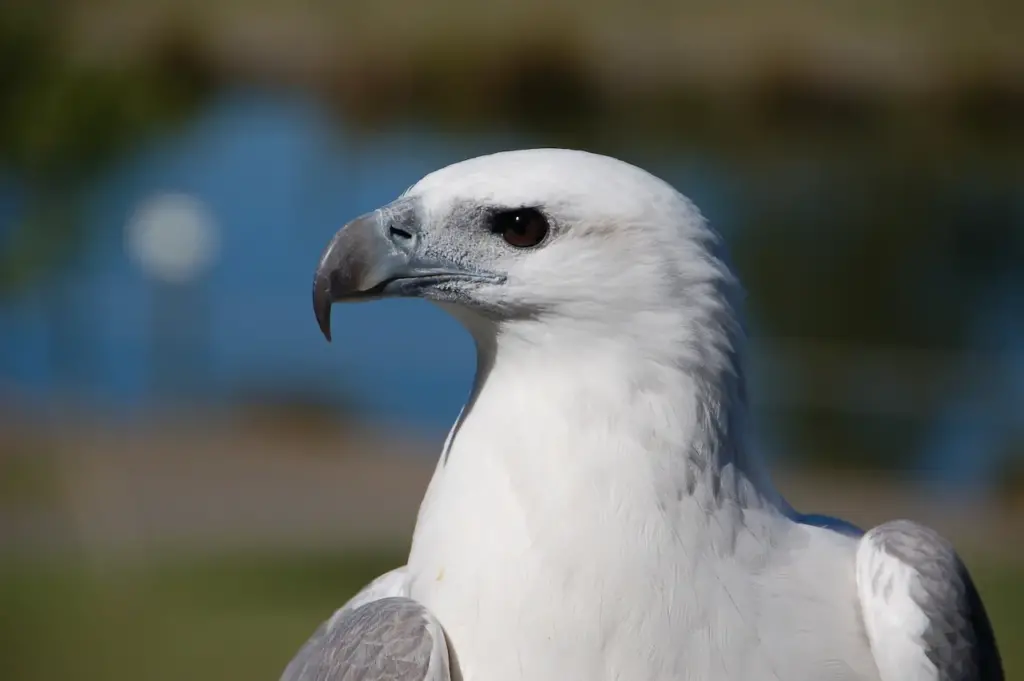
[(176, 242)]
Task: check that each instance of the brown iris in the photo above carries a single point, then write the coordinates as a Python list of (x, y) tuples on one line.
[(522, 228)]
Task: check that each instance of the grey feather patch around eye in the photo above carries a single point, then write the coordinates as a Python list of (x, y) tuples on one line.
[(959, 639), (392, 639)]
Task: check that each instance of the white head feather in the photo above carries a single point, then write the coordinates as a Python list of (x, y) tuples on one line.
[(630, 299)]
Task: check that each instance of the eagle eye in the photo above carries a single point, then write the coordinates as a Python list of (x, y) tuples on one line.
[(521, 228)]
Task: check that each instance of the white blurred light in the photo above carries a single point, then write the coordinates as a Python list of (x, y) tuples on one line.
[(172, 237)]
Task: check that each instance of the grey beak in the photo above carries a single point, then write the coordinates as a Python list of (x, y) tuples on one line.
[(382, 254), (357, 264)]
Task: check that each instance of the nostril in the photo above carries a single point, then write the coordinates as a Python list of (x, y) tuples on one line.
[(397, 233)]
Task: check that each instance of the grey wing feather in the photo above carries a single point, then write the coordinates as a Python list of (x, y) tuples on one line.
[(958, 638), (391, 639)]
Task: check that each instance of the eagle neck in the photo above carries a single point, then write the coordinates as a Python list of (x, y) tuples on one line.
[(551, 401)]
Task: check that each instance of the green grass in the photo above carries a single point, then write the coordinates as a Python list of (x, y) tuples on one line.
[(239, 617)]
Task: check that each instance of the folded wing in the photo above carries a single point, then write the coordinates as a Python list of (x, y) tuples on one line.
[(922, 613)]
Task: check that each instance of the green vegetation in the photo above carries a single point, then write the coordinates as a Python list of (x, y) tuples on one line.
[(62, 121), (241, 617), (238, 617)]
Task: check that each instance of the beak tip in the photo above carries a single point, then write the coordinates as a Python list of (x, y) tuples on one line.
[(322, 301), (324, 320)]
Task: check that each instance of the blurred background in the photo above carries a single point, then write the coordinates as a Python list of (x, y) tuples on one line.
[(191, 479)]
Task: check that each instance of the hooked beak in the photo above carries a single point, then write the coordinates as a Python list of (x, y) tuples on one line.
[(380, 255)]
